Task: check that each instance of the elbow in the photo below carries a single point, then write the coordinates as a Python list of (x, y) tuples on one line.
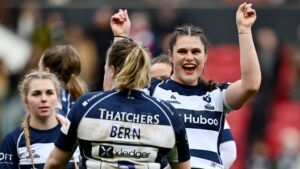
[(253, 88)]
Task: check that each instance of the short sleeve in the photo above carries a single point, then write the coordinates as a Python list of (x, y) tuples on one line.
[(8, 153), (67, 138)]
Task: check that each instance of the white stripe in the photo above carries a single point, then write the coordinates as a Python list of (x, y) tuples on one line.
[(226, 125), (99, 130), (40, 151), (202, 163), (18, 143), (196, 141), (198, 103)]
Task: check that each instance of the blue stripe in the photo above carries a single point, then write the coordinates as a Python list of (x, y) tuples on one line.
[(208, 155), (226, 136)]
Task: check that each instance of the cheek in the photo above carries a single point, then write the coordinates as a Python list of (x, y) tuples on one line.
[(30, 104)]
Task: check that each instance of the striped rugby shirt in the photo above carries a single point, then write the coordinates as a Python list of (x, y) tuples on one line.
[(203, 113), (66, 102), (13, 151), (117, 129)]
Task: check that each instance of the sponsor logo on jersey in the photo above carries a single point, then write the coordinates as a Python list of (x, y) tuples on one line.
[(5, 158), (86, 102), (33, 154), (190, 118), (207, 98), (142, 118), (173, 100), (106, 151), (110, 152)]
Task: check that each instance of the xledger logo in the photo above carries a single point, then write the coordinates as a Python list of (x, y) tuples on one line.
[(106, 151), (109, 152)]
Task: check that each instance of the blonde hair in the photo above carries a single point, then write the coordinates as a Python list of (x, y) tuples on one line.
[(24, 89), (132, 64)]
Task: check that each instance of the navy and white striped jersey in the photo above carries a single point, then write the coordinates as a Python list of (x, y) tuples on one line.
[(203, 113), (13, 151), (66, 102), (122, 129)]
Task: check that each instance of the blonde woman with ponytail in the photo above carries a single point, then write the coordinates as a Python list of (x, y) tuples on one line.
[(29, 145), (123, 127)]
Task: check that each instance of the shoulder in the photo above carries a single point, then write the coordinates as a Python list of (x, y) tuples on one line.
[(153, 84), (223, 86), (13, 136), (91, 97)]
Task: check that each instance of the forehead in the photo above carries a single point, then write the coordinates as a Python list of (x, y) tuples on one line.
[(160, 66), (40, 84), (188, 42)]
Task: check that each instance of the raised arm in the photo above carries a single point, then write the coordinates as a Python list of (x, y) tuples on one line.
[(242, 90), (120, 24)]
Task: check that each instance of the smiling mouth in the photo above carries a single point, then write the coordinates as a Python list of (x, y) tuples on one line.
[(189, 69)]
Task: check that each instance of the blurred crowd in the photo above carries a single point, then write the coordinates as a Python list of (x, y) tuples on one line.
[(270, 137)]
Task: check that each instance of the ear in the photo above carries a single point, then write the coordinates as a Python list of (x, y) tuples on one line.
[(205, 58), (25, 101), (113, 70), (47, 69), (171, 58)]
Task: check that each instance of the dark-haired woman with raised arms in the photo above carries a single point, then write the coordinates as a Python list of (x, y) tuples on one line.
[(203, 105)]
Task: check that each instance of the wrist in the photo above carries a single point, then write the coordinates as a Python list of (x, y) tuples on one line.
[(121, 36), (244, 32)]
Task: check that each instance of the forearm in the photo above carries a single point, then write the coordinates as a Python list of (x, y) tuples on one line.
[(58, 159), (53, 164), (182, 165), (250, 69)]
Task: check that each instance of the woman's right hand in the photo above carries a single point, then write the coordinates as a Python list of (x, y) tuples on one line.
[(120, 23)]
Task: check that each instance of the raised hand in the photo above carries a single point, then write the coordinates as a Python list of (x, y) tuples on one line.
[(245, 17), (120, 23)]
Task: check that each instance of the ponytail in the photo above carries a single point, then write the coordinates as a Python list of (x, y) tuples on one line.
[(210, 85), (132, 64), (75, 87), (27, 138), (135, 72)]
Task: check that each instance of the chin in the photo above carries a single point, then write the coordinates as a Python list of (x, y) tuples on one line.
[(44, 114), (190, 81)]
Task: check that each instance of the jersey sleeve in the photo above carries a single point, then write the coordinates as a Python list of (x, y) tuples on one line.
[(180, 152), (223, 87), (8, 153), (67, 138)]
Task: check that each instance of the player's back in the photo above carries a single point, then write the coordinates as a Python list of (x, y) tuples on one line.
[(127, 129)]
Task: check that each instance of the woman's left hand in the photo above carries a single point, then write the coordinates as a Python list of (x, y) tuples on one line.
[(245, 17)]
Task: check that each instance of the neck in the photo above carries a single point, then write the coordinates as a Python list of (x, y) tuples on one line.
[(43, 123)]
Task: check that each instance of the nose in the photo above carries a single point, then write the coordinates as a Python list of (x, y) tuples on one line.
[(44, 98), (189, 56)]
